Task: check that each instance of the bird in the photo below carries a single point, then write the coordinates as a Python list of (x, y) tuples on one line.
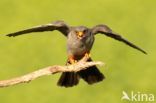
[(80, 40)]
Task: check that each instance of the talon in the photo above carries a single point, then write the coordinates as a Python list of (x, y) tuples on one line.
[(86, 57), (87, 54), (72, 60)]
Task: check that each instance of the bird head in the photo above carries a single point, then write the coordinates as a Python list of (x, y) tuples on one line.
[(81, 32)]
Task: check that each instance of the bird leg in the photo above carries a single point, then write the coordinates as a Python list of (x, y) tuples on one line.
[(86, 57), (72, 60)]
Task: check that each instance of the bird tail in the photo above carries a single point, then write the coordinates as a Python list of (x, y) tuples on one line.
[(91, 75), (68, 79)]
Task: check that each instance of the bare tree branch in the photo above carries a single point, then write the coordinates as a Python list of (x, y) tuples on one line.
[(81, 65)]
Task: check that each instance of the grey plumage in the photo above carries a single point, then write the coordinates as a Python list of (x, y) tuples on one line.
[(58, 25), (79, 46), (103, 29), (80, 40), (65, 29)]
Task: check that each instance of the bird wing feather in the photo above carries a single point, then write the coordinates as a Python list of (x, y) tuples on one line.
[(57, 25), (104, 29)]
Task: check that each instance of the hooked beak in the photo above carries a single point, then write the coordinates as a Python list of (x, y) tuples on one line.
[(79, 34)]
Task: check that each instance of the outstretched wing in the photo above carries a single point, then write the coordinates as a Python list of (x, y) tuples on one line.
[(57, 25), (108, 32)]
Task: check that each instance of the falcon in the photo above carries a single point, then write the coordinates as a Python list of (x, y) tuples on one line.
[(80, 40)]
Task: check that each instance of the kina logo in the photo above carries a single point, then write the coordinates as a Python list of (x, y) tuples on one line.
[(137, 96)]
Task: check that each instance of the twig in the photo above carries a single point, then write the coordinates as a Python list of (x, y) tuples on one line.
[(81, 65)]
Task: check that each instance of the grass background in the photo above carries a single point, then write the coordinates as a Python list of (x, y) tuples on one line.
[(126, 69)]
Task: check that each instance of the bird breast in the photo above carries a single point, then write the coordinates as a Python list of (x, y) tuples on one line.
[(77, 46)]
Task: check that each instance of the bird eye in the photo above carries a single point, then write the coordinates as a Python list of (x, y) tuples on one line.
[(85, 30), (76, 32)]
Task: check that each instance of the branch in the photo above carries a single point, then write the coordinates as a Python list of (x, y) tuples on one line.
[(81, 65)]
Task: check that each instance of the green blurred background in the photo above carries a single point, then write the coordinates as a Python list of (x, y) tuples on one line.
[(126, 69)]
